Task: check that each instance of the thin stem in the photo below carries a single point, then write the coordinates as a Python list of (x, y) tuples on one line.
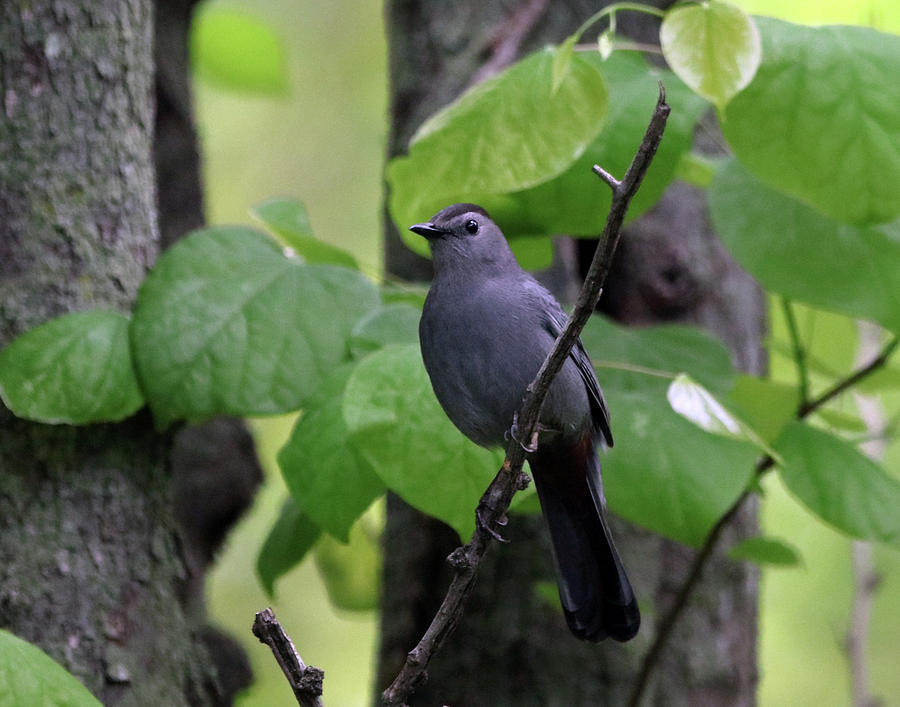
[(851, 380), (612, 10), (797, 350)]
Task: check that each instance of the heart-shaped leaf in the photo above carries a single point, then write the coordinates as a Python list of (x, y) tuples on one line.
[(74, 369), (227, 324)]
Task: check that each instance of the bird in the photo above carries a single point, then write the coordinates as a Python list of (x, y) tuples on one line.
[(487, 325)]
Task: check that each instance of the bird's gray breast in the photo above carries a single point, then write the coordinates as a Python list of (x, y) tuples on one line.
[(482, 345)]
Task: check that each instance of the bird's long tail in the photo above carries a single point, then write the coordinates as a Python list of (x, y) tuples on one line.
[(596, 595)]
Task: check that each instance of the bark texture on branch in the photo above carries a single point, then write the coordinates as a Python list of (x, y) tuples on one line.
[(513, 647), (90, 562)]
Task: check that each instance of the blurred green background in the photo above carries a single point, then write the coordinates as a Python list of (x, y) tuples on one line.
[(318, 134)]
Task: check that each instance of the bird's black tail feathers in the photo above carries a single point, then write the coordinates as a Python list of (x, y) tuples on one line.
[(596, 595)]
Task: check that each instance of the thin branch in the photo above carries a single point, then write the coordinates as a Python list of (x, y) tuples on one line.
[(670, 618), (305, 680), (852, 379), (494, 503)]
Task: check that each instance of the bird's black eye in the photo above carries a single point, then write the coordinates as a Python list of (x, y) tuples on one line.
[(472, 226)]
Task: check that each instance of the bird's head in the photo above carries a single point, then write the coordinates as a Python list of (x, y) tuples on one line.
[(464, 236)]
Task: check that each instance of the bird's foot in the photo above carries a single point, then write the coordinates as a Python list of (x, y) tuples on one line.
[(513, 432), (485, 525)]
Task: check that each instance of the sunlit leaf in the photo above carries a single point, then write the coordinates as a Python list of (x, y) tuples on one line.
[(576, 202), (820, 120), (562, 61), (508, 133), (695, 403), (714, 47)]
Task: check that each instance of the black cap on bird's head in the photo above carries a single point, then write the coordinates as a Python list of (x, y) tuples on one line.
[(464, 232), (457, 220)]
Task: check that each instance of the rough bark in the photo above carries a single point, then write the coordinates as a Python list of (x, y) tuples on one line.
[(513, 647), (90, 561)]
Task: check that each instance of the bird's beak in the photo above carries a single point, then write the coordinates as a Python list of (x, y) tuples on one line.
[(428, 230)]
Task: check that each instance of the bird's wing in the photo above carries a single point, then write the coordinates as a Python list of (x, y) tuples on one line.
[(555, 322)]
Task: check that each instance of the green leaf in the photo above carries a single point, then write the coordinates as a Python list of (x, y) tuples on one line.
[(794, 250), (766, 551), (74, 369), (28, 676), (884, 379), (627, 357), (576, 202), (412, 294), (287, 219), (841, 420), (287, 543), (533, 252), (714, 47), (562, 61), (351, 571), (225, 324), (839, 484), (399, 428), (697, 170), (665, 473), (508, 133), (328, 480), (695, 403), (768, 405), (237, 51), (820, 120), (390, 324)]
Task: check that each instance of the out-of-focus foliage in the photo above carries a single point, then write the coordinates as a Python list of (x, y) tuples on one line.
[(237, 50)]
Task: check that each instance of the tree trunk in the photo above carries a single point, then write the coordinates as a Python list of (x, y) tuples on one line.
[(90, 562), (511, 648)]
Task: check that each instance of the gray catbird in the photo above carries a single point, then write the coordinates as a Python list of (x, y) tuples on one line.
[(486, 328)]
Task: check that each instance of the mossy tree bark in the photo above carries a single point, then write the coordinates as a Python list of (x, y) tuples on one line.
[(90, 561), (512, 647)]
